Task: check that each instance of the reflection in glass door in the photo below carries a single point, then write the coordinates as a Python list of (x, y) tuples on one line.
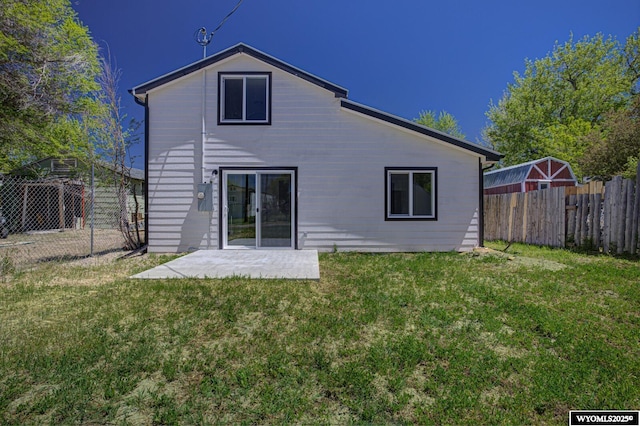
[(241, 209), (259, 209), (275, 210)]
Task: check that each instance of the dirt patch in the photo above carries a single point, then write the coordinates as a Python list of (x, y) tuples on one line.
[(515, 260), (529, 262), (99, 259), (28, 249)]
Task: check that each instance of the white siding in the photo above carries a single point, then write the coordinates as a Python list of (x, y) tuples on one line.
[(340, 157)]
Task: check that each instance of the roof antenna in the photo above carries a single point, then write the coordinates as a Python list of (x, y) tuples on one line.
[(203, 39)]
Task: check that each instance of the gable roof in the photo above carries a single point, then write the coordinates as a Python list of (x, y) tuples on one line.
[(139, 92), (517, 173), (142, 89)]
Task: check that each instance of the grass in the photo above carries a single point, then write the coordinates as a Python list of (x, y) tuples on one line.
[(442, 338)]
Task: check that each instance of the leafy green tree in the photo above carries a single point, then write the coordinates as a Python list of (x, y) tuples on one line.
[(614, 149), (563, 97), (48, 70), (442, 121)]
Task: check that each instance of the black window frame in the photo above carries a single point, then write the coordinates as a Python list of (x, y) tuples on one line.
[(388, 171), (244, 121)]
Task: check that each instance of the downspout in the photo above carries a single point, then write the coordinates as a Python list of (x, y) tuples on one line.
[(145, 186), (481, 202), (146, 172)]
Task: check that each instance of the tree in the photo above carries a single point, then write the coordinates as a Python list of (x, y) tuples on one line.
[(48, 70), (614, 149), (442, 121), (563, 97), (112, 142)]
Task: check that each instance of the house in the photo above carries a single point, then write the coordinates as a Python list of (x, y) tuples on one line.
[(246, 151), (548, 172)]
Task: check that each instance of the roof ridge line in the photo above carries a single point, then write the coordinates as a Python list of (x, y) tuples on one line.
[(239, 48)]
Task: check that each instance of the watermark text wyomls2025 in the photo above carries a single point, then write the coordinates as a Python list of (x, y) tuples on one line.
[(604, 417)]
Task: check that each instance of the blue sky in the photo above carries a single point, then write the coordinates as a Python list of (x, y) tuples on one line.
[(400, 56)]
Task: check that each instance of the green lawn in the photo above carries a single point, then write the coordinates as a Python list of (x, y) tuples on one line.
[(443, 338)]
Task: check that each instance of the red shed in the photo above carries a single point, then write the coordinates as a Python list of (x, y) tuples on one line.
[(531, 176)]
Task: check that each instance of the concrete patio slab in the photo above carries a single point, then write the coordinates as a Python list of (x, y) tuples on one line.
[(288, 264)]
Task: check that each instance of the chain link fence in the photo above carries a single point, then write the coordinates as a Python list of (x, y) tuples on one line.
[(64, 218)]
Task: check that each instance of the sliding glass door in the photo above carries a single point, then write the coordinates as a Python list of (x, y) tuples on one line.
[(276, 208), (258, 209)]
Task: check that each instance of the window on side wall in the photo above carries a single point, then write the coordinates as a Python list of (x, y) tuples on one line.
[(244, 98), (411, 193)]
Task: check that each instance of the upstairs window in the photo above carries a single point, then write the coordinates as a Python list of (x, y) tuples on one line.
[(244, 98), (411, 193)]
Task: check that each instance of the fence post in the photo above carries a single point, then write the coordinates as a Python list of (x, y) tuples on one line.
[(570, 209), (560, 228), (24, 206), (93, 204), (628, 184), (512, 207), (578, 226), (621, 208), (584, 232), (591, 218), (635, 230), (596, 212), (525, 217), (606, 207)]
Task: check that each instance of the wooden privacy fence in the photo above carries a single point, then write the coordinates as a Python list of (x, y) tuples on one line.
[(603, 217), (535, 217)]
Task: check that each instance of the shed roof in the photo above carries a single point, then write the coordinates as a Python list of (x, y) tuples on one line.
[(507, 176), (516, 173)]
